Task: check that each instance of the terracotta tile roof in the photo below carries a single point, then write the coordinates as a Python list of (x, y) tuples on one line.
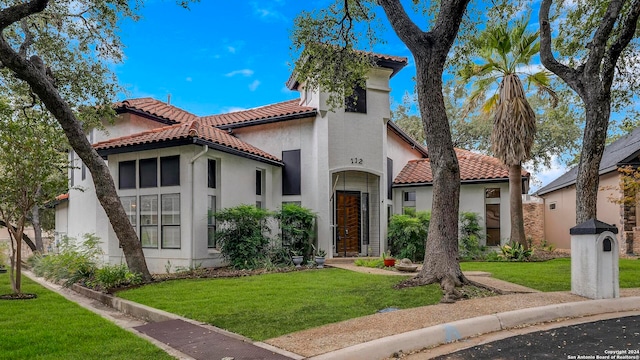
[(473, 167), (157, 109), (191, 130), (62, 197), (289, 108)]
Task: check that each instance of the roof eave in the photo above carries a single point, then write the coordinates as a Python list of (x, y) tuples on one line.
[(146, 115), (237, 152), (307, 114), (472, 181), (404, 136)]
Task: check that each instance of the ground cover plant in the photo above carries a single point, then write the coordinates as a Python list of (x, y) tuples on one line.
[(267, 306), (552, 275), (51, 327)]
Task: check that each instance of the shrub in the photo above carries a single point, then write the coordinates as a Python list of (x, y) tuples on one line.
[(112, 276), (469, 236), (407, 234), (73, 263), (242, 235), (371, 263), (297, 229), (515, 252)]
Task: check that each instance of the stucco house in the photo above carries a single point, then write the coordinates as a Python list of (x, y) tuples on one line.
[(560, 197), (352, 166)]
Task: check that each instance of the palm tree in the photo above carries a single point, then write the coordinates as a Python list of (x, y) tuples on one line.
[(503, 53)]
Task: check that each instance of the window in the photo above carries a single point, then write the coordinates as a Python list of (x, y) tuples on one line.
[(127, 174), (357, 102), (389, 179), (171, 221), (84, 171), (492, 193), (258, 182), (291, 172), (211, 222), (149, 221), (148, 173), (211, 174), (408, 201), (552, 206), (170, 171), (71, 167), (130, 207)]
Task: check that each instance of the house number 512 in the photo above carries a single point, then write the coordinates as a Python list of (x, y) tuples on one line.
[(357, 161)]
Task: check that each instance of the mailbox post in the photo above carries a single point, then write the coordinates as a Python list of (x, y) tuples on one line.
[(594, 260)]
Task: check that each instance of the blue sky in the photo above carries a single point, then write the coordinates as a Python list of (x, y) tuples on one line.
[(223, 56)]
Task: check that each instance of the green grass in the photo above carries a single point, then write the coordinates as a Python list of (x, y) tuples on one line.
[(552, 275), (51, 327), (267, 306)]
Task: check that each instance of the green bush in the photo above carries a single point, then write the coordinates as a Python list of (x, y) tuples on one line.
[(407, 235), (297, 229), (515, 252), (371, 263), (73, 263), (469, 236), (112, 276), (242, 235)]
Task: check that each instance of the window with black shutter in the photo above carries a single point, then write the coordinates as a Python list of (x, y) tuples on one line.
[(170, 171), (291, 173), (148, 173), (127, 174), (357, 102)]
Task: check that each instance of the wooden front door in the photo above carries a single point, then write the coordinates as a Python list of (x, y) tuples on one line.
[(348, 220)]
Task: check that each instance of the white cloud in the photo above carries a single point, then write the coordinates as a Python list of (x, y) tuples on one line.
[(243, 72), (231, 49), (268, 13), (547, 175), (254, 85), (189, 79)]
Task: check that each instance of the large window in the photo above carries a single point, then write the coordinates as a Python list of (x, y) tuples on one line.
[(408, 200), (84, 171), (357, 102), (170, 171), (211, 174), (149, 221), (291, 172), (389, 178), (259, 188), (127, 174), (148, 173), (211, 222), (170, 221)]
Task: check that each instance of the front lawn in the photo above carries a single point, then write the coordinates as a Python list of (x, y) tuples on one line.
[(552, 275), (51, 327), (267, 306)]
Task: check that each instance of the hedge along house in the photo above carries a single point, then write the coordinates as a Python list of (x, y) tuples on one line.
[(173, 168), (560, 197)]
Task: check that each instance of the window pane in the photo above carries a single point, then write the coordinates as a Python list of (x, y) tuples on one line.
[(149, 210), (410, 196), (148, 173), (211, 178), (258, 182), (171, 209), (130, 207), (492, 193), (84, 171), (211, 222), (357, 102), (127, 174), (171, 237), (291, 173), (71, 168), (149, 236), (170, 171)]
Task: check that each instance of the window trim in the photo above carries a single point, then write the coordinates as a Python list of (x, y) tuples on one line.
[(163, 225), (157, 212)]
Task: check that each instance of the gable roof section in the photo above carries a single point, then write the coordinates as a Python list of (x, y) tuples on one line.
[(618, 153), (154, 110), (192, 132), (287, 110), (473, 168)]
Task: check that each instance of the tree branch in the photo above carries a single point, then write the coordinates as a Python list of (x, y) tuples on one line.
[(15, 13), (598, 44), (549, 61), (626, 34), (405, 28), (25, 237), (28, 38)]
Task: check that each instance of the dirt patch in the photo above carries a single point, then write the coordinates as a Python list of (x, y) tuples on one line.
[(21, 296)]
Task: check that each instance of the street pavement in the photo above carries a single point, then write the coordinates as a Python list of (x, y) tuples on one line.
[(605, 339)]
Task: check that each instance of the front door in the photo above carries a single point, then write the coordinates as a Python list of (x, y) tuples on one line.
[(348, 220)]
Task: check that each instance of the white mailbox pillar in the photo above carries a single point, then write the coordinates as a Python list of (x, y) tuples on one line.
[(594, 260)]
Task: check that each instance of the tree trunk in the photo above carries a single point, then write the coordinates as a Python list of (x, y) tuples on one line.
[(515, 205), (102, 180), (593, 143), (25, 238), (37, 229), (16, 233)]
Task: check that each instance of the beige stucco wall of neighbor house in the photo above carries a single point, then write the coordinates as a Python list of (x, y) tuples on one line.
[(559, 220), (472, 199)]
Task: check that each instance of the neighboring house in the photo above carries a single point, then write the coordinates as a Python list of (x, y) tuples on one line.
[(172, 168), (560, 198)]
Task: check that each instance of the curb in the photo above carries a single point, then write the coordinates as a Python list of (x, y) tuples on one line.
[(457, 330)]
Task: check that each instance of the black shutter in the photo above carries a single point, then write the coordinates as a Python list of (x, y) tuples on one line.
[(291, 173), (170, 171), (389, 178), (211, 178), (148, 173), (127, 174)]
